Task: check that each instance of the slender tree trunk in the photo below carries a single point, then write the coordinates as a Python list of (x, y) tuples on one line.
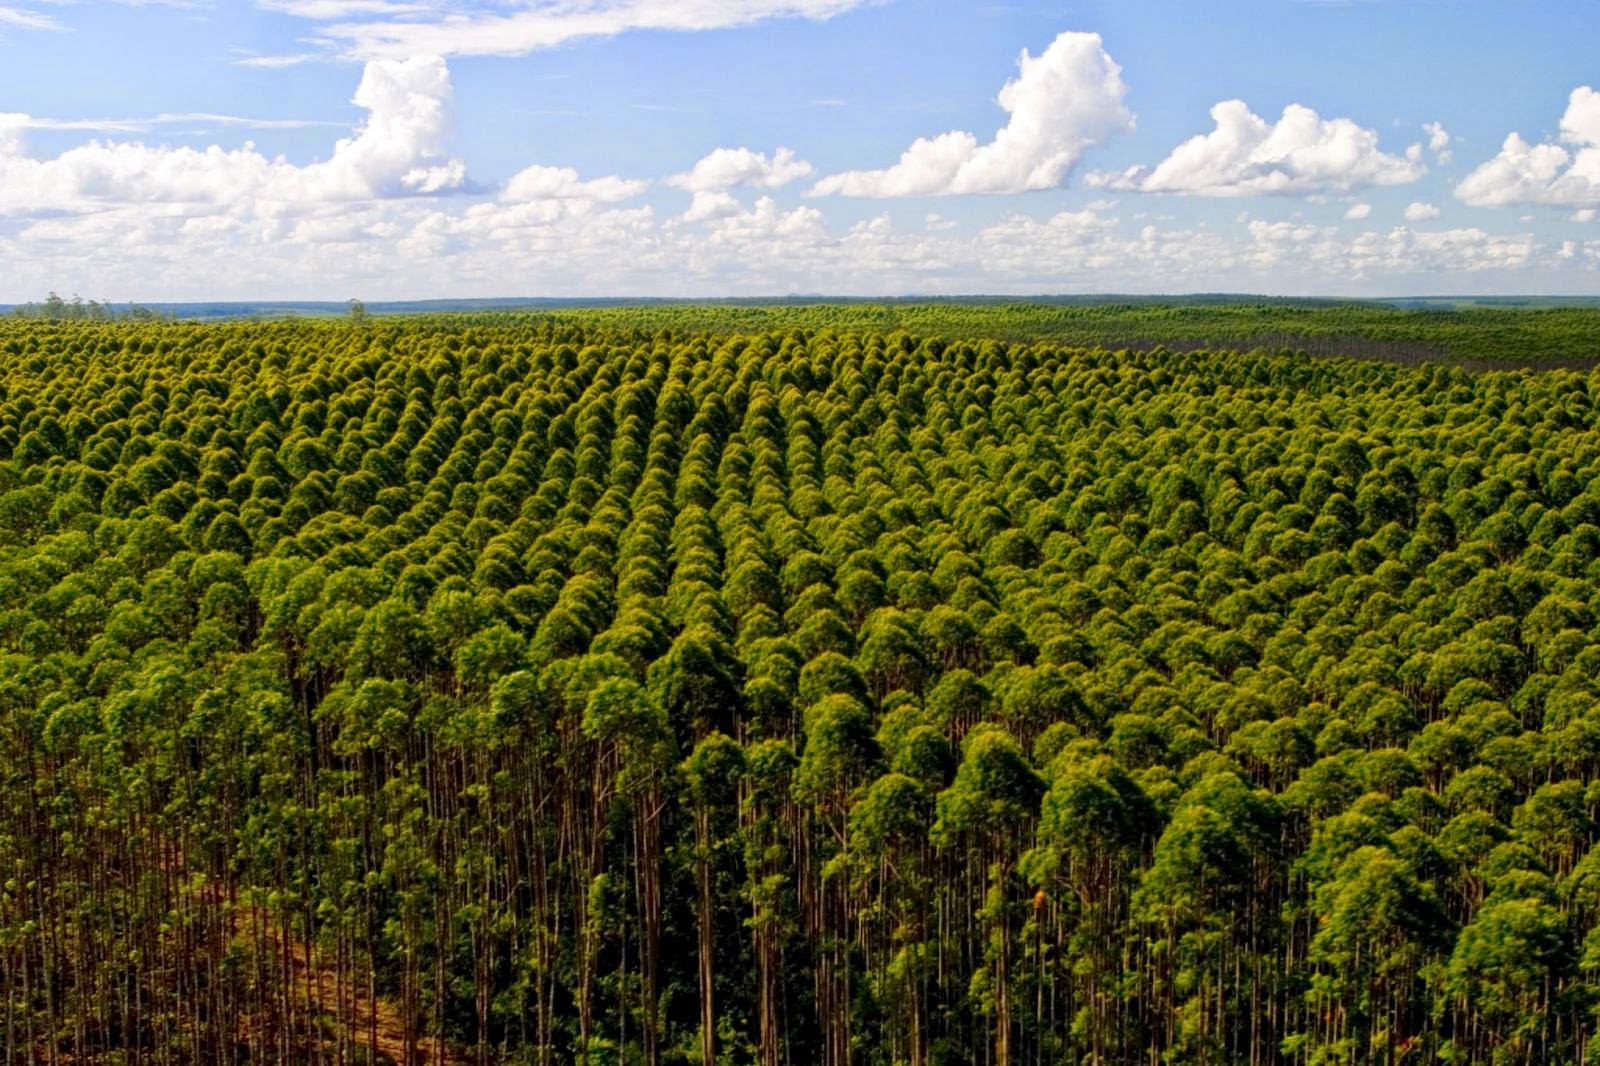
[(702, 871)]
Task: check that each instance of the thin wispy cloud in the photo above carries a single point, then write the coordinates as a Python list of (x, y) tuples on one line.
[(277, 62), (366, 29), (150, 123), (24, 19), (28, 18), (181, 5), (343, 9)]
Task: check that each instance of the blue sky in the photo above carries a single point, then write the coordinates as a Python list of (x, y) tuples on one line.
[(423, 148)]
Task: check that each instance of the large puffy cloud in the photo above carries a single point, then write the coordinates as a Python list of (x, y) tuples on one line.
[(390, 28), (1524, 173), (100, 174), (1301, 154), (712, 177), (398, 151), (1065, 100)]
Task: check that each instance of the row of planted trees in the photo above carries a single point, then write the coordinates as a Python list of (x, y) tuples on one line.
[(451, 692), (1491, 335)]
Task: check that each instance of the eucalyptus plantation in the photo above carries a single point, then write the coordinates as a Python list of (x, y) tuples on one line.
[(676, 689)]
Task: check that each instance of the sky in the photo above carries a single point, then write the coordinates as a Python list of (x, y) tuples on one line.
[(417, 149)]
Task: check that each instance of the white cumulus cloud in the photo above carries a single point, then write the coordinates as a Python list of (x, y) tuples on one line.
[(712, 177), (712, 204), (1421, 212), (728, 168), (563, 183), (1302, 154), (1064, 101), (1320, 253), (415, 248), (1357, 212), (400, 148), (1438, 141), (1524, 173), (398, 151)]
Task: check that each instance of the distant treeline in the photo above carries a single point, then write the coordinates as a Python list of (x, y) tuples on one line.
[(1481, 333), (1486, 337), (54, 308)]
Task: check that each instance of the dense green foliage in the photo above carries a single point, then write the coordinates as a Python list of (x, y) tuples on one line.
[(1487, 333), (1485, 337), (539, 690)]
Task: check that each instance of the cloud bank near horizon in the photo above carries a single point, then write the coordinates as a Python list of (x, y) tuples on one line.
[(118, 212)]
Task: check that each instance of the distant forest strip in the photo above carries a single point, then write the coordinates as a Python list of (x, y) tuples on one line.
[(1483, 334), (1485, 337)]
